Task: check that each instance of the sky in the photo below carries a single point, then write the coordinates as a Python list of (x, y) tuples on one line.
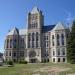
[(13, 13)]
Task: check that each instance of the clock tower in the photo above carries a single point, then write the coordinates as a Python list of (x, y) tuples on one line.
[(35, 24)]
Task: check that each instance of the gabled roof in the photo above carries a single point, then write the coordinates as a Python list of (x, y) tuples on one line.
[(14, 31), (59, 26), (22, 31), (48, 28), (35, 10)]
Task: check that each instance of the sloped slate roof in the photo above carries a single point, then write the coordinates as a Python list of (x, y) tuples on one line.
[(59, 26), (48, 28), (14, 31), (22, 31)]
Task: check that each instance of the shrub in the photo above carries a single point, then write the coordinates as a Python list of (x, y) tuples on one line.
[(23, 62), (10, 62)]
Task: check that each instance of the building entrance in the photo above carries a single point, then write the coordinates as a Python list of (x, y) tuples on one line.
[(32, 60)]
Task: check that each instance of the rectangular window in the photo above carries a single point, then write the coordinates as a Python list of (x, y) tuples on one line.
[(21, 53), (37, 44), (52, 40), (63, 59), (47, 44), (52, 36), (63, 51), (53, 59), (53, 43), (58, 59), (28, 44), (14, 54), (10, 53), (37, 36), (32, 44), (45, 37), (62, 39), (11, 43), (15, 43), (22, 43), (53, 53), (58, 40), (58, 52), (7, 43)]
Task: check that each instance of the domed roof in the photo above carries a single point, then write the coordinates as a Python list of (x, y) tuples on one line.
[(14, 31)]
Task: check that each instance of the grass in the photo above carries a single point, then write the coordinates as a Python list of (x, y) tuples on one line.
[(39, 68)]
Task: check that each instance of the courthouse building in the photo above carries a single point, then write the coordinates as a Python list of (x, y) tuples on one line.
[(37, 43)]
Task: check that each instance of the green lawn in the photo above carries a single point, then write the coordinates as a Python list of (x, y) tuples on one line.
[(39, 69)]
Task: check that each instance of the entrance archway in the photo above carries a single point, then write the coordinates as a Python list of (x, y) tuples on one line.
[(32, 57)]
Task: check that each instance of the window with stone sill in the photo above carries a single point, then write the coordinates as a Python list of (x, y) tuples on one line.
[(22, 43), (58, 40), (62, 39), (11, 43), (52, 36), (53, 59), (14, 54), (7, 43), (21, 53), (63, 51), (10, 53), (58, 52), (15, 43), (58, 59), (53, 43), (47, 44), (37, 36), (45, 37), (53, 53), (63, 59), (33, 36)]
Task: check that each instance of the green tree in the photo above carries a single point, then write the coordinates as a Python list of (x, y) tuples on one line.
[(71, 45)]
